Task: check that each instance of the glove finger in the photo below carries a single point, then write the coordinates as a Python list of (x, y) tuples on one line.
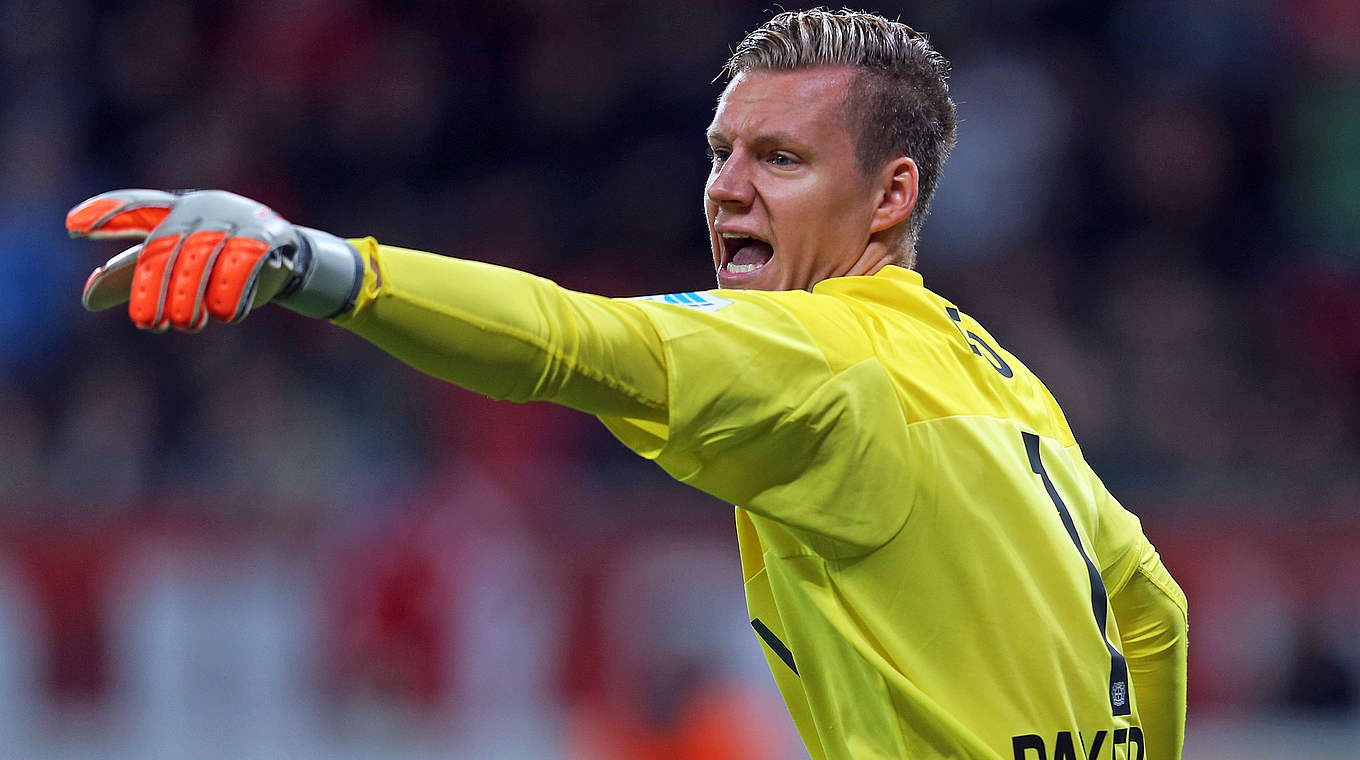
[(189, 278), (146, 305), (111, 284), (231, 283), (119, 214)]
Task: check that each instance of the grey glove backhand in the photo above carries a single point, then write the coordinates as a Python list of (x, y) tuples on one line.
[(211, 253)]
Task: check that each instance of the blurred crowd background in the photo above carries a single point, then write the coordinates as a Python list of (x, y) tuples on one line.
[(272, 541)]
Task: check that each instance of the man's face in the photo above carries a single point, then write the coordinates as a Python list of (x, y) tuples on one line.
[(787, 205)]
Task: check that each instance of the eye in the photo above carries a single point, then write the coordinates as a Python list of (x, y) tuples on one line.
[(783, 161), (717, 156)]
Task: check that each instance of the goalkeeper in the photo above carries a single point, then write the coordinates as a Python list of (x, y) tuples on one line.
[(932, 570)]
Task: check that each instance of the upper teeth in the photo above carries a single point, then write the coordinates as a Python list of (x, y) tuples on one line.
[(733, 235)]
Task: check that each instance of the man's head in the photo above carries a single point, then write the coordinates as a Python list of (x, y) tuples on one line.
[(827, 146)]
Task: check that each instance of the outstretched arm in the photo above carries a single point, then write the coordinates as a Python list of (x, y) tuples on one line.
[(763, 404)]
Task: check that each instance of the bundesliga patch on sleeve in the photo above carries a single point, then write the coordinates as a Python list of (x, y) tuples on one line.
[(701, 300)]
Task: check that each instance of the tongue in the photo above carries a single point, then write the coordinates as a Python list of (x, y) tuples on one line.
[(754, 252)]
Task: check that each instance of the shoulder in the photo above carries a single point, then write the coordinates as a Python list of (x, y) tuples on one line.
[(771, 318)]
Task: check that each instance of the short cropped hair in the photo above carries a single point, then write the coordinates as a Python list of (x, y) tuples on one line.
[(898, 102)]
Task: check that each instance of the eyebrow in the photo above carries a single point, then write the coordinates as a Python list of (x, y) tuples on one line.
[(763, 138)]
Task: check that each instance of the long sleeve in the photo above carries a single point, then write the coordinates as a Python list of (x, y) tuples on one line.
[(508, 334), (727, 391), (1151, 610)]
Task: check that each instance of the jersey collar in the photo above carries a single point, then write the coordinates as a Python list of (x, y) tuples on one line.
[(901, 274), (889, 272)]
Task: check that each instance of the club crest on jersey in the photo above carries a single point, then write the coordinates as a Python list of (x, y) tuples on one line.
[(701, 300)]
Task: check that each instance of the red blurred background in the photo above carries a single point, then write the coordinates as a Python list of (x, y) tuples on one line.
[(273, 541)]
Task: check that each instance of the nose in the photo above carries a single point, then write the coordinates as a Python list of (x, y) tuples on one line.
[(730, 182)]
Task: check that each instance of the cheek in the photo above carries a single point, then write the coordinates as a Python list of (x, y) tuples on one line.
[(843, 212), (811, 216), (824, 226)]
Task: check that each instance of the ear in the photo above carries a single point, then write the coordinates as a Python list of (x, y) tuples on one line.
[(896, 186)]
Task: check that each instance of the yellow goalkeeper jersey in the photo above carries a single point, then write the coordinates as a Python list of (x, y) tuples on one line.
[(931, 568)]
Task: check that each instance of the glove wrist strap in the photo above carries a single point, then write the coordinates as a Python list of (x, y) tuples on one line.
[(332, 272)]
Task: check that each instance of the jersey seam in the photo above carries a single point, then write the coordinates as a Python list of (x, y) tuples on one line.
[(911, 505), (791, 417), (1115, 588), (671, 368), (981, 415), (800, 555), (841, 557), (907, 518), (1160, 586), (531, 340)]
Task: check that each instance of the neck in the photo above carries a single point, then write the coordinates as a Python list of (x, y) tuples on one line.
[(875, 256)]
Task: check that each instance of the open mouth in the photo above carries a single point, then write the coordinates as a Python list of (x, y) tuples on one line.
[(743, 254)]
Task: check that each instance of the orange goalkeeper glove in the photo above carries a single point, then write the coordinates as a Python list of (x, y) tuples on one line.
[(210, 253)]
